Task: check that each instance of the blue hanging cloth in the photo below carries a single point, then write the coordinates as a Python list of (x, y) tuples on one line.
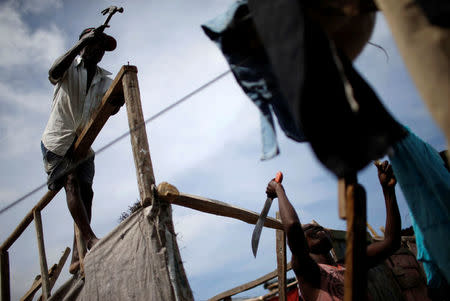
[(425, 182)]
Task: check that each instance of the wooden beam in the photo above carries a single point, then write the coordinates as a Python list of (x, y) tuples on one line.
[(54, 276), (218, 208), (109, 103), (5, 292), (42, 257), (355, 284), (281, 262), (247, 286), (139, 142), (112, 98), (81, 248), (37, 283), (274, 292), (342, 198)]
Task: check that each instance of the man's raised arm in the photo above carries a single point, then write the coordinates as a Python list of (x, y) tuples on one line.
[(378, 251), (305, 268), (62, 63)]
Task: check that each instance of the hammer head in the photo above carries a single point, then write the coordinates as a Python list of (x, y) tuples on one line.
[(112, 10)]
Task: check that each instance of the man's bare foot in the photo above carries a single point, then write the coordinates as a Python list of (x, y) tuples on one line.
[(92, 242), (74, 267)]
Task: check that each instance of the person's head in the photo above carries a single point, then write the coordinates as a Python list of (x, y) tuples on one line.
[(318, 238), (94, 51)]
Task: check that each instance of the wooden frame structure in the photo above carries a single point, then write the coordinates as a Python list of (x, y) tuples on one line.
[(125, 88), (113, 98)]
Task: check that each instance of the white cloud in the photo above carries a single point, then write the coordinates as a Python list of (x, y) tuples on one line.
[(21, 46), (38, 6)]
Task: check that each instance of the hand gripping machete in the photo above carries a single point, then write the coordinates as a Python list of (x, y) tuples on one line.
[(262, 218)]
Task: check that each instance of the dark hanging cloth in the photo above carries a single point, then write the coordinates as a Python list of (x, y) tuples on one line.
[(235, 35), (437, 11), (339, 113)]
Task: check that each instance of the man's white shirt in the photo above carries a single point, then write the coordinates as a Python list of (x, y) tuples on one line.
[(72, 108)]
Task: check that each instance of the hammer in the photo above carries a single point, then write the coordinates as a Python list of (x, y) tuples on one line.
[(111, 11)]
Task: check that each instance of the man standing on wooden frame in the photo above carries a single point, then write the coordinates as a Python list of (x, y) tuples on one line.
[(79, 87)]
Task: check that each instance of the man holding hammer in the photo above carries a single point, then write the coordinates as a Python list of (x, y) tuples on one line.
[(79, 87)]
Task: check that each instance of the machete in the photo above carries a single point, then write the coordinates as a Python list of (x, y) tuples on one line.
[(262, 218)]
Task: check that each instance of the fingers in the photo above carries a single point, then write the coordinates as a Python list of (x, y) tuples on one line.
[(381, 166)]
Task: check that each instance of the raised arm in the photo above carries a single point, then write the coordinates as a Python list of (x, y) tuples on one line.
[(305, 268), (378, 251), (62, 63)]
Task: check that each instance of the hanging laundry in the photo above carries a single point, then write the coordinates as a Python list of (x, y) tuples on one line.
[(339, 113), (425, 182), (235, 35)]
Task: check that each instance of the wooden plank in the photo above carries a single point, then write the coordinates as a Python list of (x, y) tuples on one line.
[(112, 98), (218, 208), (82, 145), (281, 262), (249, 285), (42, 257), (29, 295), (53, 274), (81, 248), (341, 198), (355, 284), (139, 142), (5, 292)]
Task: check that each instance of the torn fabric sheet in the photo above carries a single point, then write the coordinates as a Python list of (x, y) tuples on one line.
[(138, 260), (234, 34), (425, 182)]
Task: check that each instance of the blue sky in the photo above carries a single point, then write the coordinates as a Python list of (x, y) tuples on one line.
[(209, 145)]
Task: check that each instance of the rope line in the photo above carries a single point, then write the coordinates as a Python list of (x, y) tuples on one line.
[(114, 141)]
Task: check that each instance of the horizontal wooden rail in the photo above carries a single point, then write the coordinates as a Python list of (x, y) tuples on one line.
[(113, 98), (28, 219), (248, 285), (215, 207)]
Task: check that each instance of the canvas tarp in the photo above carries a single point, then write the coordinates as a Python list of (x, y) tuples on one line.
[(139, 260)]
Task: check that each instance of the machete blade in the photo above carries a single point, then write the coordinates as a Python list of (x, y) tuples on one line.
[(259, 225)]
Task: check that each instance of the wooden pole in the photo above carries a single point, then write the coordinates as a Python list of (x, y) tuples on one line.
[(81, 248), (355, 285), (139, 142), (342, 199), (170, 193), (281, 262), (4, 276), (42, 257)]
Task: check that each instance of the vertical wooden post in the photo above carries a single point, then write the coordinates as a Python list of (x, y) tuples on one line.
[(42, 257), (281, 262), (139, 142), (342, 198), (355, 285), (4, 276), (81, 248)]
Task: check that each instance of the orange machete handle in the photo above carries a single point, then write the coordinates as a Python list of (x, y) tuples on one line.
[(279, 177)]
